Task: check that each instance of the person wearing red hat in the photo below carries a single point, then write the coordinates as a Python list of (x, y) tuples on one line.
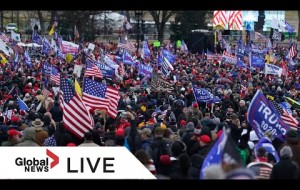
[(13, 138), (15, 121), (204, 142)]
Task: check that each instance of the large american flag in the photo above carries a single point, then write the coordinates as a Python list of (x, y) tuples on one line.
[(4, 37), (128, 46), (235, 20), (92, 70), (55, 76), (99, 96), (285, 116), (76, 117), (220, 18)]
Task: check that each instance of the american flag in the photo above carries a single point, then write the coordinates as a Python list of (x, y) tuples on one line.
[(220, 18), (235, 20), (45, 92), (55, 76), (92, 70), (76, 33), (126, 24), (100, 96), (184, 47), (128, 46), (285, 116), (4, 37), (166, 66), (76, 117), (293, 51)]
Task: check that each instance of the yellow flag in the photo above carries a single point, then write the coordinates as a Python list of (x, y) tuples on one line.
[(77, 88), (3, 60), (69, 58), (270, 97), (51, 32), (267, 58)]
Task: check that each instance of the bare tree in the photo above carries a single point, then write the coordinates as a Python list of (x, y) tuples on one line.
[(42, 22), (1, 13), (128, 15), (160, 18), (298, 37)]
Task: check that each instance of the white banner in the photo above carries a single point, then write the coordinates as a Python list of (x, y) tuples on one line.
[(77, 70), (273, 69), (69, 47), (67, 163), (91, 46), (5, 48)]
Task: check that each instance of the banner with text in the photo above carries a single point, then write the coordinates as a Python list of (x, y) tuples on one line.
[(66, 163), (263, 117)]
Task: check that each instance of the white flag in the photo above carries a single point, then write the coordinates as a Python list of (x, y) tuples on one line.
[(273, 69), (15, 36)]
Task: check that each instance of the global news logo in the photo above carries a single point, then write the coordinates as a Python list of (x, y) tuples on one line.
[(38, 165)]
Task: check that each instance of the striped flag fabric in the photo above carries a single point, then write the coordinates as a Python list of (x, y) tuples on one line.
[(55, 76), (126, 24), (220, 18), (293, 51), (184, 47), (92, 70), (3, 37), (100, 96), (76, 116), (285, 116), (235, 20), (76, 33), (45, 92), (128, 46), (166, 66)]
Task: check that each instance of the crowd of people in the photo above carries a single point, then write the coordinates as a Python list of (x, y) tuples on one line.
[(169, 132)]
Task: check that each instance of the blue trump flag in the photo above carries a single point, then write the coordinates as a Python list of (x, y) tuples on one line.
[(215, 154), (146, 70), (46, 46), (22, 105), (27, 59), (241, 64), (127, 58), (47, 68), (257, 62), (106, 70), (203, 95), (145, 50), (170, 57), (288, 27), (159, 60), (263, 117), (36, 38)]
